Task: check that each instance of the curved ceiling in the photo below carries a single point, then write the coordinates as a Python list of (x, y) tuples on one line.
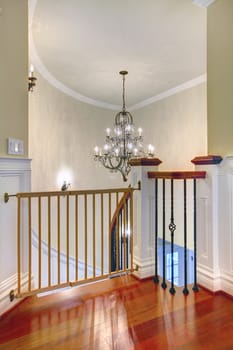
[(81, 45)]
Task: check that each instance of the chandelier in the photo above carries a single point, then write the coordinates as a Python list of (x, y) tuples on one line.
[(123, 144)]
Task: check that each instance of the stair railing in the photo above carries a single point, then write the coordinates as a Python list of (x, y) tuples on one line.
[(164, 188)]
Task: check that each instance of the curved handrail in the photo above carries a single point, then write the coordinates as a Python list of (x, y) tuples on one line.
[(115, 253), (119, 209)]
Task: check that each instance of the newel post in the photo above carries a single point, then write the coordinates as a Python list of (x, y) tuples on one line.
[(143, 226), (208, 222)]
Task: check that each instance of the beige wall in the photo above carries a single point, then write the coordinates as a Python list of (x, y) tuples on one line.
[(220, 77), (13, 73), (177, 126)]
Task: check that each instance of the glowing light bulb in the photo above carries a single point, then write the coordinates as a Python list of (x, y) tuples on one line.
[(31, 71), (96, 149), (106, 148), (128, 129), (150, 150)]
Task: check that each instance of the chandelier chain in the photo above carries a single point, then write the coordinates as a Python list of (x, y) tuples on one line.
[(124, 108)]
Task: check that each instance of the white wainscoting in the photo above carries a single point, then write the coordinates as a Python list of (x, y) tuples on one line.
[(215, 227), (15, 176)]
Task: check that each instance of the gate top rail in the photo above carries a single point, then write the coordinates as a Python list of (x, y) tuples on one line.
[(70, 193), (176, 175)]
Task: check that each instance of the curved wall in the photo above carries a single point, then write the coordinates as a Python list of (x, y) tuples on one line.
[(64, 131), (177, 127)]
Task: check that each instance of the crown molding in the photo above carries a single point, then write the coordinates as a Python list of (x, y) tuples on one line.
[(40, 67), (203, 3), (189, 84)]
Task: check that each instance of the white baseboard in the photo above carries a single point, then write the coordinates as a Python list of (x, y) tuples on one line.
[(227, 283), (207, 278), (10, 284), (145, 268), (222, 281)]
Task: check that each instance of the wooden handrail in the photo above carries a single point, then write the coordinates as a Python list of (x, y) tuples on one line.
[(7, 196), (119, 208), (176, 175)]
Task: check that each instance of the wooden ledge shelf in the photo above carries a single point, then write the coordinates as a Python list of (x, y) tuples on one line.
[(207, 160), (176, 175), (144, 161)]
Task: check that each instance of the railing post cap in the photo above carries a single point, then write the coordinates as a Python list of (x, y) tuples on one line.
[(207, 160)]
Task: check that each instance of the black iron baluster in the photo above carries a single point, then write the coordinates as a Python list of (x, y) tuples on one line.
[(127, 233), (113, 249), (185, 290), (121, 242), (195, 287), (156, 277), (172, 228), (164, 285)]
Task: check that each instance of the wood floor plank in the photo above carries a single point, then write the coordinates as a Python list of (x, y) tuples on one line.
[(121, 313)]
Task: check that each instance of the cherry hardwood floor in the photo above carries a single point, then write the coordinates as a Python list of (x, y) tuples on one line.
[(120, 314)]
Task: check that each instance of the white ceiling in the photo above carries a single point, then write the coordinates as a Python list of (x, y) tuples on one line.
[(81, 45)]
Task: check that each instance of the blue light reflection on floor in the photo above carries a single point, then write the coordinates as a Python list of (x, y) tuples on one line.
[(178, 260)]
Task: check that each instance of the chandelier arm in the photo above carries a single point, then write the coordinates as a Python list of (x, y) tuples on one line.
[(125, 170), (130, 117), (115, 167), (107, 163)]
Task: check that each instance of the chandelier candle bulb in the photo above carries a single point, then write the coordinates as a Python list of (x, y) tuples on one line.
[(139, 132), (31, 79), (106, 148), (125, 143), (96, 149), (150, 150), (130, 146), (128, 129), (31, 71)]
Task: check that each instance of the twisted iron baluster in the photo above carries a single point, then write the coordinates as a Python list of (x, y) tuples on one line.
[(172, 228), (164, 285), (185, 290), (156, 277)]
